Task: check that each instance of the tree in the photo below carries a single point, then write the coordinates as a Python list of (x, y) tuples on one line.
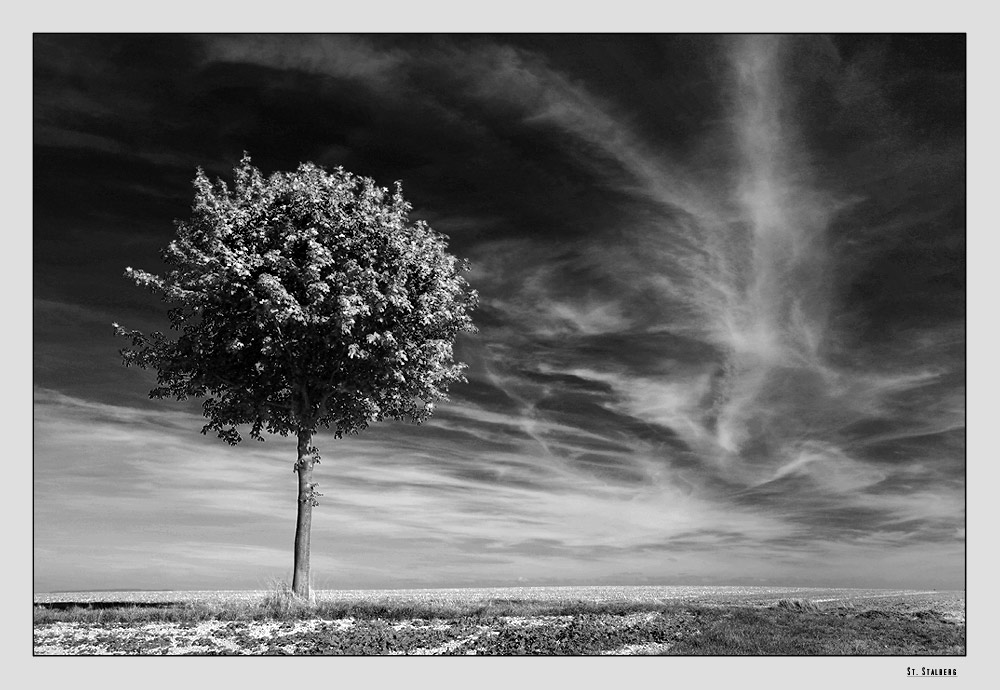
[(304, 300)]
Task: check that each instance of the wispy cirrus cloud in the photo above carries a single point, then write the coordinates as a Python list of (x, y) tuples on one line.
[(340, 55), (156, 479)]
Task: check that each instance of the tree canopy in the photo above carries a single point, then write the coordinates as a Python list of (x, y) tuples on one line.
[(305, 299)]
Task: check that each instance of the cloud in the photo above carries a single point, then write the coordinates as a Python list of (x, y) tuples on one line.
[(830, 469), (547, 98), (162, 487), (68, 138), (337, 55)]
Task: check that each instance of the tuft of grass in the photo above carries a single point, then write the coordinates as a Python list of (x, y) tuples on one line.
[(280, 603), (797, 605)]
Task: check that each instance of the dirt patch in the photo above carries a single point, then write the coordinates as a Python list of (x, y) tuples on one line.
[(505, 635)]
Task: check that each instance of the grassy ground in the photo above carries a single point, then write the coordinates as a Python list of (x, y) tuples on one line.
[(803, 630), (281, 607), (278, 623)]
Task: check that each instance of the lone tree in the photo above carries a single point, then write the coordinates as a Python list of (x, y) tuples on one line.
[(304, 300)]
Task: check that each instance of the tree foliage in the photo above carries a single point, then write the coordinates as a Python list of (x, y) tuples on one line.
[(302, 300)]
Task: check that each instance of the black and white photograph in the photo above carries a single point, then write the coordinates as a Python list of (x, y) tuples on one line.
[(504, 344)]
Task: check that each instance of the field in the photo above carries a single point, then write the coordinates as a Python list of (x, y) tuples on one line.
[(505, 621)]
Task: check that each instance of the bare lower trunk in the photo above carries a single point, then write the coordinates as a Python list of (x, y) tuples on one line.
[(303, 522)]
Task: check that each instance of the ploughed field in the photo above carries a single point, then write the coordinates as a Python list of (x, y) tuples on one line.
[(506, 621)]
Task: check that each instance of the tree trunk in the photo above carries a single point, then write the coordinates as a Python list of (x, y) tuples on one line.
[(303, 523)]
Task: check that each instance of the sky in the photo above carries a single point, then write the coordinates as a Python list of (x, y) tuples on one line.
[(721, 335)]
